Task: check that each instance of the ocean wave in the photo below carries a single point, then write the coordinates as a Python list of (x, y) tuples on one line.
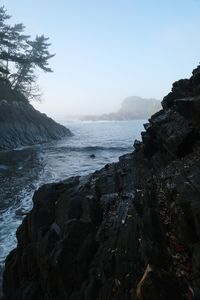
[(93, 148), (3, 167)]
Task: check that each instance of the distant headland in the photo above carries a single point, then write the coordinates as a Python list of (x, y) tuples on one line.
[(132, 108)]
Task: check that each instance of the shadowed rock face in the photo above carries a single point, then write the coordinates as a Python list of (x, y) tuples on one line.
[(128, 231), (22, 125)]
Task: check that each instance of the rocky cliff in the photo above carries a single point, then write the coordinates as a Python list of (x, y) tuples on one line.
[(128, 231), (21, 124)]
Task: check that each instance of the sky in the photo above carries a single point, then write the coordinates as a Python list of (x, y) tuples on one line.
[(107, 50)]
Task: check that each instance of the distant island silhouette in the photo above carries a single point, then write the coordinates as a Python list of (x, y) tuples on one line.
[(132, 108)]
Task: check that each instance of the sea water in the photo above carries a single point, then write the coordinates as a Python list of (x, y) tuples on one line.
[(23, 170)]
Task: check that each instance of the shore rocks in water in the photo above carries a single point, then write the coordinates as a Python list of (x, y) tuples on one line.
[(22, 125), (128, 231)]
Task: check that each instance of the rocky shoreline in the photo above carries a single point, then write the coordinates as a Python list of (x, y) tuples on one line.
[(22, 125), (128, 231)]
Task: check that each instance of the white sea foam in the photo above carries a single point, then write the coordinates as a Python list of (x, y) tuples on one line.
[(26, 168)]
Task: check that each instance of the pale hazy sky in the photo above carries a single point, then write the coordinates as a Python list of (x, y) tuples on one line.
[(107, 50)]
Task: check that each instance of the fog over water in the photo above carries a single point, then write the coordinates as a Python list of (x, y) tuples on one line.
[(107, 53), (109, 50)]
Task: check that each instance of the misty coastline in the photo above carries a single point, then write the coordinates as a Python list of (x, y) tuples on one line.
[(100, 194), (129, 230), (132, 108)]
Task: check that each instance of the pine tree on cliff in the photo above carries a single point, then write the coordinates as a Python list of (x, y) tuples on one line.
[(37, 55), (12, 42), (20, 56)]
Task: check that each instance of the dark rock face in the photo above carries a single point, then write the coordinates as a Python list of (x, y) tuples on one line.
[(21, 125), (184, 88), (128, 231)]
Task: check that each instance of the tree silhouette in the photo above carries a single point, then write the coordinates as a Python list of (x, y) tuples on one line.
[(20, 56)]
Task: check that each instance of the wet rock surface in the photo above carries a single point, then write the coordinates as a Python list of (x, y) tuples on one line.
[(128, 231)]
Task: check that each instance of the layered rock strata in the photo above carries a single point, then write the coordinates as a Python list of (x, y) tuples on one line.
[(22, 125), (128, 231)]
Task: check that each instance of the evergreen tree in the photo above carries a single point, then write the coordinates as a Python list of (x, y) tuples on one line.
[(37, 55), (20, 56)]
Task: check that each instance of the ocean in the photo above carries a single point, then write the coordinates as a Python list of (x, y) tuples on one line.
[(23, 170)]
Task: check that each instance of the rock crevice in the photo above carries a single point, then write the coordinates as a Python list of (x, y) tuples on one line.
[(128, 231)]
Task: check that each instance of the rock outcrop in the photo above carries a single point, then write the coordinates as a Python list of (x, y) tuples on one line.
[(128, 231), (132, 108), (22, 125)]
